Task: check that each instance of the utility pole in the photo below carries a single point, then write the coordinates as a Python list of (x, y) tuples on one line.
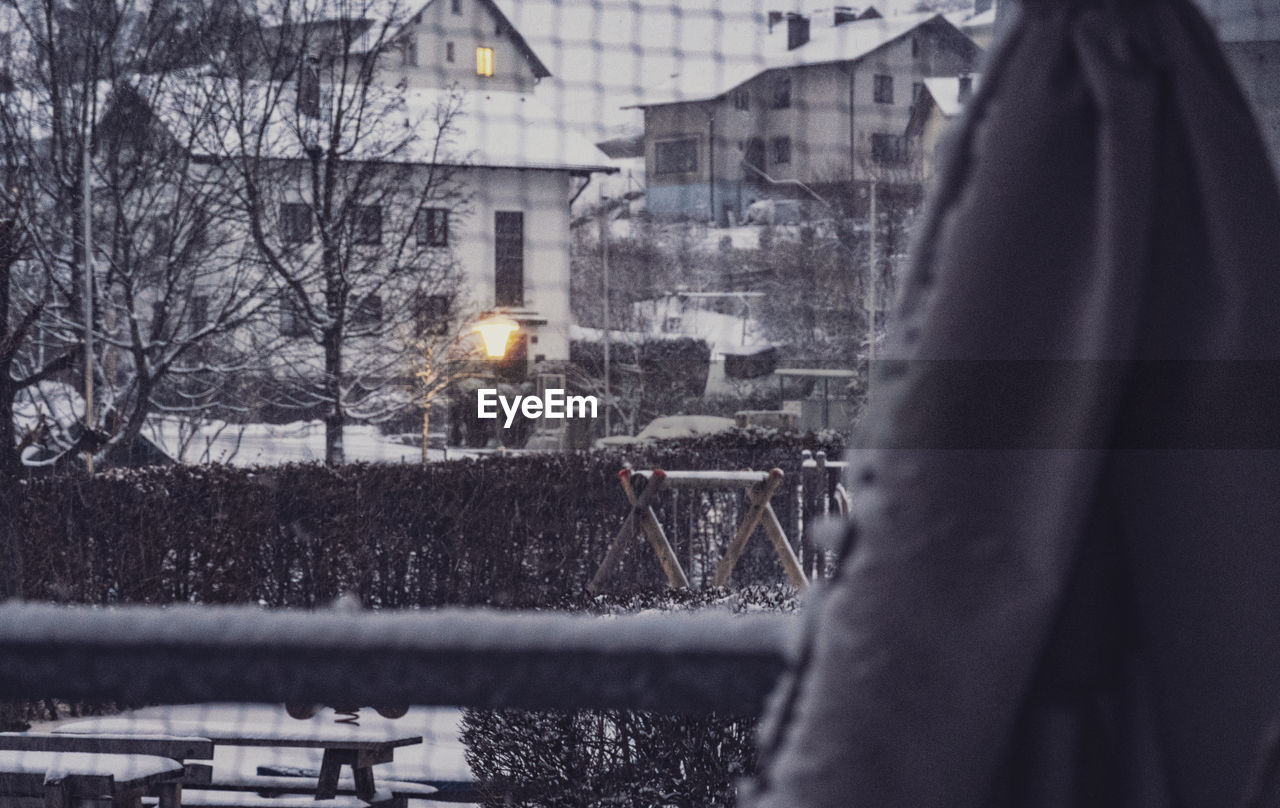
[(872, 274), (87, 235), (604, 274)]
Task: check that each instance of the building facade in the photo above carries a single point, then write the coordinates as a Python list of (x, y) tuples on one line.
[(829, 113)]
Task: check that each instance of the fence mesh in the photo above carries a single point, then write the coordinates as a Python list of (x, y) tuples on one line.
[(221, 218)]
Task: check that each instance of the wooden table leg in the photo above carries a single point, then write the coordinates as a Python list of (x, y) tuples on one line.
[(330, 769), (170, 794), (363, 775)]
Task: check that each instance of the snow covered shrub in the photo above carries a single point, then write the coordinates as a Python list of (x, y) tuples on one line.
[(625, 758)]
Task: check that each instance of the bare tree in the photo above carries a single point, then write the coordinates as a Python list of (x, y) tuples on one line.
[(167, 295), (349, 187)]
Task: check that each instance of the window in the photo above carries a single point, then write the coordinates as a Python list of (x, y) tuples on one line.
[(309, 89), (508, 253), (672, 325), (367, 311), (433, 228), (742, 99), (915, 47), (890, 149), (295, 223), (366, 224), (431, 314), (198, 312), (675, 156), (409, 52), (457, 6), (484, 62), (448, 51), (293, 320), (883, 90), (781, 92), (782, 150), (917, 88)]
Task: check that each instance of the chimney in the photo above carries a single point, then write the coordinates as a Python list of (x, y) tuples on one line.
[(797, 30), (844, 14), (966, 88)]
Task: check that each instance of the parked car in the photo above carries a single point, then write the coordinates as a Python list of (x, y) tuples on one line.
[(671, 427)]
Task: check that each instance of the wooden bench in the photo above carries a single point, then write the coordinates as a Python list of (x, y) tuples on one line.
[(64, 779)]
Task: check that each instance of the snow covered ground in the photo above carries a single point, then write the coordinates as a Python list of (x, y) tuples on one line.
[(274, 444), (438, 757)]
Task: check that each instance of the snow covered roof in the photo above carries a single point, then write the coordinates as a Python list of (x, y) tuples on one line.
[(847, 42), (945, 91), (489, 129)]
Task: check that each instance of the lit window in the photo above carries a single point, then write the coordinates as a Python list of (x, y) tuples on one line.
[(484, 61)]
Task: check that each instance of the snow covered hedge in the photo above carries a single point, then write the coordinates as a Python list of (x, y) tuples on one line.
[(510, 531)]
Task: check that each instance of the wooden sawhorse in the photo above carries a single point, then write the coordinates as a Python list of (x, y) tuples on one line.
[(760, 489)]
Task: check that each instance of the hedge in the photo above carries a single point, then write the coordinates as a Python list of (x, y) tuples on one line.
[(516, 531)]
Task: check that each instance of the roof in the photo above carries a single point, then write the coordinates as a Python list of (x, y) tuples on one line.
[(539, 68), (945, 92), (843, 43), (490, 129)]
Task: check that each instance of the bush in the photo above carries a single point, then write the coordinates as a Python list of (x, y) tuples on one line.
[(507, 531), (626, 758)]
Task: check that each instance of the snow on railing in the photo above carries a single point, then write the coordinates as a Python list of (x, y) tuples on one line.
[(460, 657)]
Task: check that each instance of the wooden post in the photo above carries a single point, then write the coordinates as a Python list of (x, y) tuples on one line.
[(628, 527), (654, 532), (759, 493), (790, 563)]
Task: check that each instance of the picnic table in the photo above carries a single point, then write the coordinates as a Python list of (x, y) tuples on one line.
[(62, 777), (359, 748)]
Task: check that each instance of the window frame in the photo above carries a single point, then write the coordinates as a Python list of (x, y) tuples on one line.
[(889, 149), (291, 218), (432, 229), (882, 88), (508, 258), (781, 150), (780, 92), (431, 313), (662, 149), (366, 225)]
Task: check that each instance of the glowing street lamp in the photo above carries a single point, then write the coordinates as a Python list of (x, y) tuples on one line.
[(495, 330)]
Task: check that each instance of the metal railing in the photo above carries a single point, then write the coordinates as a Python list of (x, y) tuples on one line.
[(470, 658)]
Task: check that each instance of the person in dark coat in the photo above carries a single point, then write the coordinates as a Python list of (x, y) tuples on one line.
[(1060, 584)]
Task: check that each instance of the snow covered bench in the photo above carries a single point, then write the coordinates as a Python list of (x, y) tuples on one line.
[(59, 779)]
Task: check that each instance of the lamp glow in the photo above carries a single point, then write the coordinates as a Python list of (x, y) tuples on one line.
[(495, 331)]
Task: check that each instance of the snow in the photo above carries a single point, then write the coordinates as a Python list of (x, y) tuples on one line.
[(946, 94), (490, 128), (849, 41), (275, 444), (440, 756), (56, 765)]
